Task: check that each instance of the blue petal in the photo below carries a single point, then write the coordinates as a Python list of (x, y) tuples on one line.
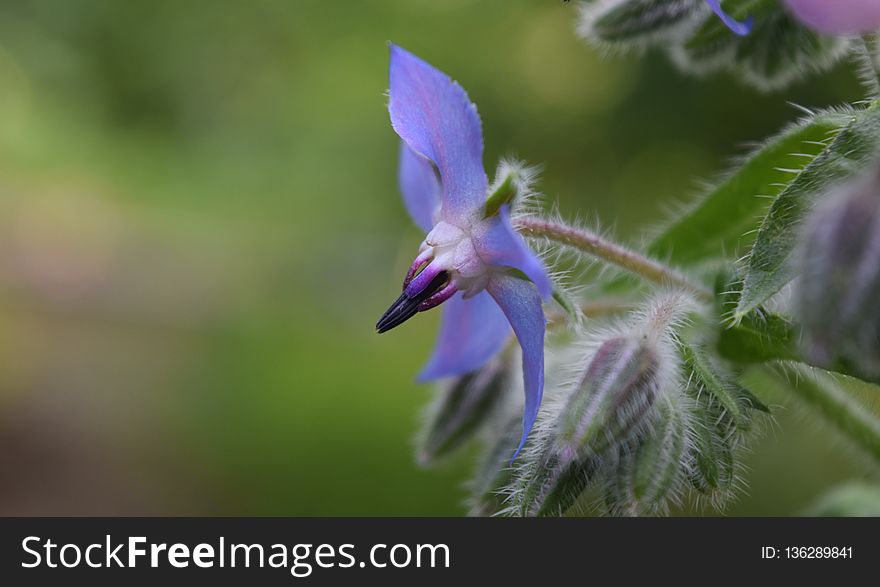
[(472, 331), (420, 187), (497, 243), (520, 302), (739, 28), (435, 117)]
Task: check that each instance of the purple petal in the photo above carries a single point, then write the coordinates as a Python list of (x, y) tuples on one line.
[(420, 187), (435, 117), (497, 243), (471, 332), (739, 28), (838, 17), (520, 302)]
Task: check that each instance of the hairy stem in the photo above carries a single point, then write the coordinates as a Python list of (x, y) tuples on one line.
[(824, 394), (610, 252), (593, 309)]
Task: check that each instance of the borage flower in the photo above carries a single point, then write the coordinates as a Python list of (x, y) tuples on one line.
[(472, 259), (838, 17)]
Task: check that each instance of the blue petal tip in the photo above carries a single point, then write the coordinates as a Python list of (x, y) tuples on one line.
[(745, 27), (522, 443), (738, 28)]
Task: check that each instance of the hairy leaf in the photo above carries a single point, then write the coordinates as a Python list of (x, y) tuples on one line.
[(706, 377), (769, 263), (759, 337), (717, 223), (763, 337)]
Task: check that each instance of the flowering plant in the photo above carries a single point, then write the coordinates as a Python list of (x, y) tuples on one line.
[(775, 271)]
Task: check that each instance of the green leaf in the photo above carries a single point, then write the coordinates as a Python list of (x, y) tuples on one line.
[(759, 337), (503, 194), (717, 223), (762, 337), (567, 303), (769, 268), (751, 400), (706, 377)]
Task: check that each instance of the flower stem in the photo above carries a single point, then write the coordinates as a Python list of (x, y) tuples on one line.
[(610, 252), (594, 309), (825, 395)]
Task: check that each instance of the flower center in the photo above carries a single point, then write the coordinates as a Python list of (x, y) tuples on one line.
[(451, 249)]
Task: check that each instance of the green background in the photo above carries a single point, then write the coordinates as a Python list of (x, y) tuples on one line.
[(199, 226)]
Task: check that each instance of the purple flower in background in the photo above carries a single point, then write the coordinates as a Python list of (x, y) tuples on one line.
[(740, 28), (473, 261), (838, 17)]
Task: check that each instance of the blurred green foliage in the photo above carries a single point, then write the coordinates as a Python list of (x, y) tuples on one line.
[(199, 225)]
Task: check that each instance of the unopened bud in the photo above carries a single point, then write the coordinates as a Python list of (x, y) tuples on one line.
[(494, 470), (632, 22), (461, 408), (650, 476), (712, 469), (612, 398), (607, 412), (839, 294), (549, 486)]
